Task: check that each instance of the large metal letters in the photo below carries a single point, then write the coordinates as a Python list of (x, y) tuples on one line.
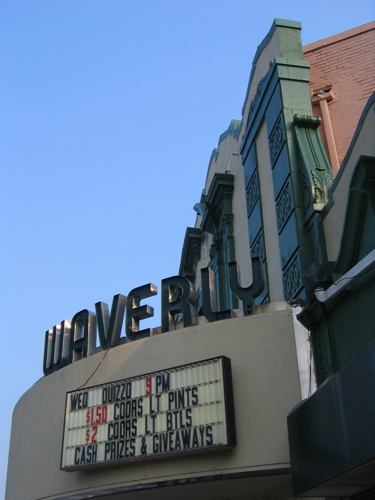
[(75, 340)]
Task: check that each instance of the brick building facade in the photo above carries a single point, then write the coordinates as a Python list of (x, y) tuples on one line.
[(341, 83)]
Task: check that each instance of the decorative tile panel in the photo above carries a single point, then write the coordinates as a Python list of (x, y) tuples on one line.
[(254, 102), (284, 206), (280, 172), (276, 140), (255, 222), (257, 247), (252, 193), (292, 278), (250, 164)]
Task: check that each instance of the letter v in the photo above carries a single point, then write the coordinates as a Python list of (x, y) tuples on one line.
[(109, 326)]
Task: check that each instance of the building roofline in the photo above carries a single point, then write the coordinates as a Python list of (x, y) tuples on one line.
[(285, 23), (338, 37)]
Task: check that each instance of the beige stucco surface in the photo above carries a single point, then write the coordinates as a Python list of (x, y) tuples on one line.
[(267, 55), (364, 145), (265, 383), (228, 160)]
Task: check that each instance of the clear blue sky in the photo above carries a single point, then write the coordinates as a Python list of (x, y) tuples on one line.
[(109, 114)]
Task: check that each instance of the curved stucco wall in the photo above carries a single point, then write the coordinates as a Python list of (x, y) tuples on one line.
[(362, 145), (265, 384)]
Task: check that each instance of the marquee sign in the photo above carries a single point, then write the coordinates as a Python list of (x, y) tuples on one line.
[(181, 410)]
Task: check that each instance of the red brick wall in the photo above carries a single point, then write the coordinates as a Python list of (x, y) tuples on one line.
[(346, 62)]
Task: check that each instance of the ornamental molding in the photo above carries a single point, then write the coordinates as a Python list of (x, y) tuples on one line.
[(316, 175)]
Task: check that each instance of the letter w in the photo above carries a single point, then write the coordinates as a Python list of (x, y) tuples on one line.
[(56, 348)]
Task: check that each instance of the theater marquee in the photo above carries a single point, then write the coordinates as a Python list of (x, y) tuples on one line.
[(181, 410)]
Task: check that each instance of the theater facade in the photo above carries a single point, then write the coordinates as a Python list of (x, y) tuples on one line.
[(259, 383)]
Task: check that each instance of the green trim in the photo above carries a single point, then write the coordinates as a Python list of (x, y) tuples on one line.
[(281, 23), (281, 69), (333, 323), (191, 253), (362, 186), (218, 201), (286, 23), (218, 220), (313, 158), (281, 93), (233, 130)]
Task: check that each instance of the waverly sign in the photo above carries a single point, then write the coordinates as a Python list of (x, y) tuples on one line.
[(76, 339)]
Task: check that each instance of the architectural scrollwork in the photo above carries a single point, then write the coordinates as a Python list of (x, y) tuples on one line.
[(317, 170), (322, 181), (226, 224)]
